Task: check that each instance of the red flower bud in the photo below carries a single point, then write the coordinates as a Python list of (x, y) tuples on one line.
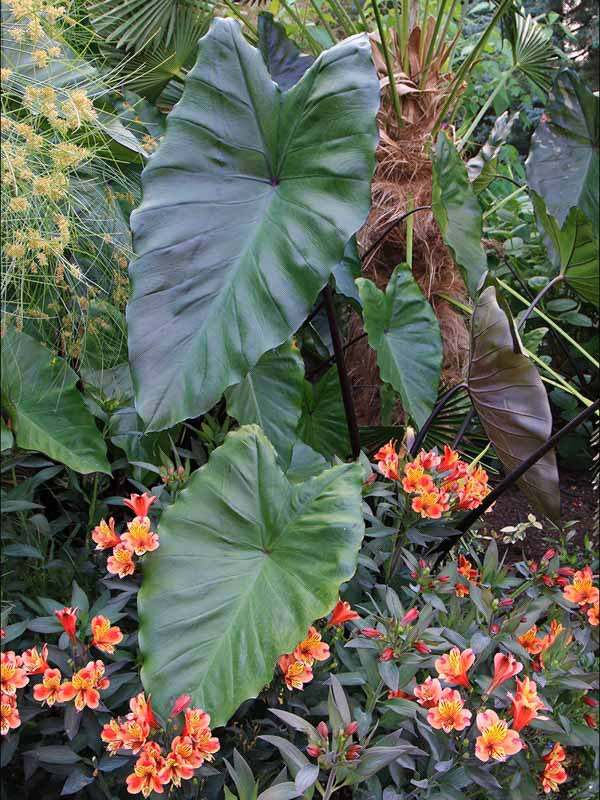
[(589, 701), (562, 582), (536, 665), (371, 479), (549, 554), (353, 752), (422, 563), (410, 616), (323, 729), (566, 571), (413, 575), (68, 619), (314, 751), (421, 647), (387, 654), (534, 566), (547, 580), (180, 704), (372, 633), (495, 629), (523, 619), (444, 578), (590, 721), (350, 729), (506, 602)]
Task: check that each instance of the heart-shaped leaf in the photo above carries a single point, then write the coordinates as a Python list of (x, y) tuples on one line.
[(46, 411), (247, 561), (511, 400), (403, 330), (458, 213), (323, 422), (247, 207), (562, 166), (285, 62)]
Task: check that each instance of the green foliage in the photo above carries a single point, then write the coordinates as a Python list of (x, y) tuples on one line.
[(283, 59), (322, 424), (230, 549)]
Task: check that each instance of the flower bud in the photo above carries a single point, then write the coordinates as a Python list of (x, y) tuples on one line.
[(314, 751), (410, 616), (351, 729), (180, 704), (562, 582), (323, 730), (568, 572), (494, 629), (549, 554), (506, 602), (422, 563), (372, 633), (421, 647), (387, 654), (589, 701), (590, 721), (353, 752), (534, 566), (444, 578), (547, 580)]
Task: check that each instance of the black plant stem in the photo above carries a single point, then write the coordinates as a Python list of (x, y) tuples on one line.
[(463, 429), (391, 227), (428, 422), (537, 299), (346, 386)]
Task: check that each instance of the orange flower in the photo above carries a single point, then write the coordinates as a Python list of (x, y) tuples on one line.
[(139, 504), (475, 489), (36, 663), (553, 775), (450, 713), (206, 744), (461, 590), (196, 722), (531, 642), (452, 667), (311, 649), (467, 570), (105, 535), (341, 613), (145, 777), (12, 673), (141, 710), (174, 771), (415, 479), (582, 591), (48, 690), (134, 733), (429, 460), (556, 628), (556, 754), (449, 460), (68, 619), (105, 637), (593, 614), (431, 504), (526, 704), (83, 686), (9, 713), (394, 694), (505, 667), (387, 459), (497, 740), (428, 694), (184, 751), (112, 736), (139, 538), (297, 674), (121, 561)]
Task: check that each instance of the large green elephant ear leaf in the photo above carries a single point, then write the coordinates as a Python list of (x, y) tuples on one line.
[(323, 422), (572, 248), (247, 207), (404, 332), (271, 396), (511, 400), (285, 62), (458, 213), (562, 166), (239, 543), (47, 412)]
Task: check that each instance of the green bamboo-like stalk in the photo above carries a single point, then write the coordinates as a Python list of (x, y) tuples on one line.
[(424, 29), (323, 19), (343, 17), (434, 37), (312, 43), (388, 64)]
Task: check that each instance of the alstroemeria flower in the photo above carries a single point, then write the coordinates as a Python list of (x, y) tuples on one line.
[(581, 590), (415, 479), (556, 628), (196, 721), (394, 694), (431, 504), (141, 709), (105, 637), (556, 754), (48, 690), (140, 504), (532, 643), (121, 561), (84, 685), (68, 619), (526, 703), (184, 751), (467, 570), (105, 535), (134, 733), (36, 663), (428, 460), (312, 648), (206, 744), (452, 667), (297, 674), (341, 613), (429, 693), (449, 459), (180, 705), (12, 674), (145, 778), (554, 773), (505, 667), (593, 614), (175, 771), (497, 740), (387, 459), (138, 536), (9, 714), (112, 736), (461, 590), (450, 713)]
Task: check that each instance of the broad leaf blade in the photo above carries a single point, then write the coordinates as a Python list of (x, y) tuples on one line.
[(248, 205), (323, 422), (511, 400), (458, 213), (238, 542), (46, 410), (403, 330), (562, 166), (285, 62), (271, 396)]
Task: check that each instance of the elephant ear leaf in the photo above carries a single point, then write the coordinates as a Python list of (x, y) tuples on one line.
[(511, 400), (47, 413), (247, 207), (323, 422), (285, 62), (239, 541), (562, 166), (458, 213), (403, 330)]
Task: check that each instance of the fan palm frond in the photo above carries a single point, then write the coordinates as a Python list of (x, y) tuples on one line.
[(533, 53)]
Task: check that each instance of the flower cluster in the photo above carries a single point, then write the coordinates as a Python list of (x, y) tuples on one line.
[(341, 747), (136, 540), (440, 484), (390, 636), (583, 592), (536, 645), (554, 773), (154, 768), (297, 666)]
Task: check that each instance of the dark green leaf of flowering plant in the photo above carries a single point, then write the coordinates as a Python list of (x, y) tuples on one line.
[(247, 561), (247, 207)]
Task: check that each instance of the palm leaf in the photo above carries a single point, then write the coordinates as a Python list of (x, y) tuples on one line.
[(533, 52)]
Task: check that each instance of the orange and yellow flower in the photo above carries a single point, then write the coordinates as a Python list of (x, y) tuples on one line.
[(174, 771), (531, 642), (429, 693), (556, 754), (196, 722), (138, 536), (593, 614), (140, 504), (105, 535), (36, 663), (341, 613), (553, 775), (387, 460), (452, 667), (134, 733), (206, 744), (104, 637), (295, 673), (9, 713), (184, 751), (415, 479), (48, 690), (525, 704), (12, 673), (431, 504), (112, 736), (142, 710), (146, 775), (84, 685), (582, 590), (506, 666), (497, 740), (121, 561), (450, 713), (312, 648)]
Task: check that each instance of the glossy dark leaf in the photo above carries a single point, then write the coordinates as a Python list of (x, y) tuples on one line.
[(285, 62), (511, 400), (248, 205)]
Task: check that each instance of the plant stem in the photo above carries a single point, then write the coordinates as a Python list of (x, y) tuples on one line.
[(345, 385), (323, 19), (390, 228), (388, 64), (314, 45), (343, 17), (563, 383), (409, 232), (428, 422), (503, 202), (241, 17), (537, 299), (482, 111), (330, 784)]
